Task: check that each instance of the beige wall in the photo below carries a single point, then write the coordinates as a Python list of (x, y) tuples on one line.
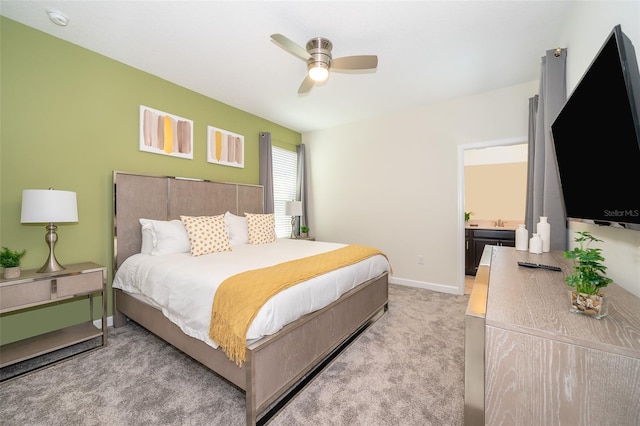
[(496, 191), (393, 182)]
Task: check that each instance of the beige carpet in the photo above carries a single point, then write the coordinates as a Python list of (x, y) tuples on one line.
[(407, 369)]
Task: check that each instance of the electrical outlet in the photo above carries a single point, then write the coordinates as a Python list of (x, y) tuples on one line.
[(420, 259)]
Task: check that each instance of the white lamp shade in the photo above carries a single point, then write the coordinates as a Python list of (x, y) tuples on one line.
[(48, 205), (293, 208)]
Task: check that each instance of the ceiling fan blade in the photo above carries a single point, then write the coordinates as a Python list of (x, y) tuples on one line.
[(290, 46), (306, 85), (361, 62)]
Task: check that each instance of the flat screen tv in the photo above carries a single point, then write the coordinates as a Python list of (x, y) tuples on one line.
[(597, 139)]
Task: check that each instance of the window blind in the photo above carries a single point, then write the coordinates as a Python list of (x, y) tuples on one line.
[(284, 187)]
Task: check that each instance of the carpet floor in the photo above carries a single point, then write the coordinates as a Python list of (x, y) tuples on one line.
[(406, 369)]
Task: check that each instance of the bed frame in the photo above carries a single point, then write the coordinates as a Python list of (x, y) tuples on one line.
[(277, 366)]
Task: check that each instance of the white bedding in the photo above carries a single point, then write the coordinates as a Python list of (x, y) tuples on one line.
[(183, 286)]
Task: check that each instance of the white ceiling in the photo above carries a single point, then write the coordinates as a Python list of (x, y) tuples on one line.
[(427, 50)]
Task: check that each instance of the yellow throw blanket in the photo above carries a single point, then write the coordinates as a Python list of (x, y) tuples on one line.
[(240, 297)]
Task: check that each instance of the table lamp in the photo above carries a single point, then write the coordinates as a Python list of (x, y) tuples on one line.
[(293, 209), (49, 206)]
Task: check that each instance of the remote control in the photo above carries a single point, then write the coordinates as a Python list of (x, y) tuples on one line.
[(539, 265)]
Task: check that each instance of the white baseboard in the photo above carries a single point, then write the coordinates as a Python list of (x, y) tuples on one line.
[(442, 288), (98, 323)]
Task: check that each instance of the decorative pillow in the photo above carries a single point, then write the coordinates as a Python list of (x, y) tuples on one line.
[(207, 234), (261, 227), (237, 229), (167, 236)]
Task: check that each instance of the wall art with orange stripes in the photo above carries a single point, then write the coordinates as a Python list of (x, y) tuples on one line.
[(224, 147), (166, 134)]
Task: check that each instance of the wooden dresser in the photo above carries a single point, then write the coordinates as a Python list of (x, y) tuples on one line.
[(547, 366)]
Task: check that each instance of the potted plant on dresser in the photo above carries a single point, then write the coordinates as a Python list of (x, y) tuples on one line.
[(10, 261), (588, 277)]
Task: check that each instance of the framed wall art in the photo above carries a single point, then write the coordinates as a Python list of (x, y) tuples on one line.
[(166, 134), (224, 147)]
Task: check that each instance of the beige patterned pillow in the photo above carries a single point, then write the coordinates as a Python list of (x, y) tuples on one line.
[(207, 234), (261, 228)]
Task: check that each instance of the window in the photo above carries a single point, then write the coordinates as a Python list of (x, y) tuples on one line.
[(285, 166)]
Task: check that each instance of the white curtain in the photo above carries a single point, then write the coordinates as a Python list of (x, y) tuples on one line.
[(544, 194)]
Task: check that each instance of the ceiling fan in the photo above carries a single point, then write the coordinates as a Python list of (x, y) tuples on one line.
[(319, 60)]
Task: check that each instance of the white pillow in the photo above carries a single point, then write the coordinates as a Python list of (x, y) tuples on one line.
[(262, 228), (237, 229), (147, 236), (167, 236)]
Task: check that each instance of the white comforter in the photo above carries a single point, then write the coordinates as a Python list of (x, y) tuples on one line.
[(183, 286)]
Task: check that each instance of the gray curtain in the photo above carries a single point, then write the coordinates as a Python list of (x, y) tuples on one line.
[(544, 195), (301, 187), (266, 170)]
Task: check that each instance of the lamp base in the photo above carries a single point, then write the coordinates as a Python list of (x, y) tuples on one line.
[(293, 222), (51, 265)]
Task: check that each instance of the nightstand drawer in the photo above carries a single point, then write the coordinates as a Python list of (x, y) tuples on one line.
[(79, 284), (25, 294), (13, 296)]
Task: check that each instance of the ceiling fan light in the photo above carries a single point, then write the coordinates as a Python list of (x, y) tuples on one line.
[(319, 72)]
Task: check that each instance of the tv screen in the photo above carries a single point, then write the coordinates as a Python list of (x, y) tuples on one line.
[(597, 138)]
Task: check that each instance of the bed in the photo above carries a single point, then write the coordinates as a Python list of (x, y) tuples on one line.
[(308, 343)]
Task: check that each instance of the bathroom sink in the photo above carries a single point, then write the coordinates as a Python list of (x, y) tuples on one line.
[(507, 226)]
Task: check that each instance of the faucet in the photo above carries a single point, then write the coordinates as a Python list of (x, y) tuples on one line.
[(499, 223)]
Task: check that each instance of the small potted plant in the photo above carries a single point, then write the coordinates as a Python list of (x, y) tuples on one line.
[(588, 277), (10, 261), (304, 231), (467, 216)]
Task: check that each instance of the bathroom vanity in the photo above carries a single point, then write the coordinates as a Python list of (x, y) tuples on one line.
[(476, 238)]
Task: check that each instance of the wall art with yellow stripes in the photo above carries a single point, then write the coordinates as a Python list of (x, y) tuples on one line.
[(166, 134), (224, 147)]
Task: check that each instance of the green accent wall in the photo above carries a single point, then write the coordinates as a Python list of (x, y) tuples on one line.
[(69, 118)]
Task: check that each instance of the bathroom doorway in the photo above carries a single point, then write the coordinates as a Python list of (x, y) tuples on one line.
[(495, 173)]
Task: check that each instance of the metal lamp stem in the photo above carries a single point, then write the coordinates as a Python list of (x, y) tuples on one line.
[(51, 265)]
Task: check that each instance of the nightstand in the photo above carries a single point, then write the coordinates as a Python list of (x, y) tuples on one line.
[(34, 289)]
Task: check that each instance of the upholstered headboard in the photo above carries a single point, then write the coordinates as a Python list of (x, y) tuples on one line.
[(138, 196)]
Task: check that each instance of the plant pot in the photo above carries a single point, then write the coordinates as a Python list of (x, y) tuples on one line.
[(593, 305), (13, 272), (303, 235)]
